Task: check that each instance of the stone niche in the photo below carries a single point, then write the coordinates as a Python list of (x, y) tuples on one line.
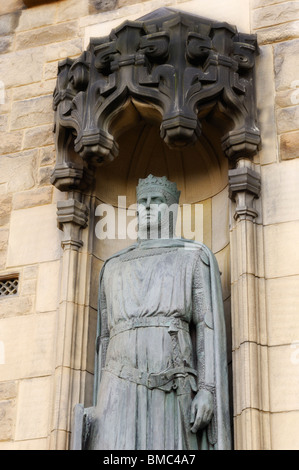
[(169, 94)]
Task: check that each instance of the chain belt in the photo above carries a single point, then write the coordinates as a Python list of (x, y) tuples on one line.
[(143, 322)]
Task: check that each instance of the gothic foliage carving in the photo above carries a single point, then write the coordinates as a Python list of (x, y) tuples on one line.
[(179, 64)]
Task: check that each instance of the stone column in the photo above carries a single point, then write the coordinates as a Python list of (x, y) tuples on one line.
[(72, 216), (250, 370)]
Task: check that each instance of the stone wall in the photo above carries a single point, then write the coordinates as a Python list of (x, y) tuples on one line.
[(34, 37)]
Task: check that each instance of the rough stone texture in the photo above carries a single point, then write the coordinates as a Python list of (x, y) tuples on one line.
[(286, 63), (275, 14), (38, 137), (289, 145), (34, 197), (7, 418), (287, 119), (278, 33), (33, 112), (18, 170), (46, 35), (22, 67)]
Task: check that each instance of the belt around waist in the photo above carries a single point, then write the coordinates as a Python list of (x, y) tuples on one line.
[(144, 322)]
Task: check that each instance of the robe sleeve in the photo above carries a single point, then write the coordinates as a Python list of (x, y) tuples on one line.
[(203, 321)]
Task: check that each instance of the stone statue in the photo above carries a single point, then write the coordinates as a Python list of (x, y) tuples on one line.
[(161, 372)]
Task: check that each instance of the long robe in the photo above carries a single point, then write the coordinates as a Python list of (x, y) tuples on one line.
[(144, 292)]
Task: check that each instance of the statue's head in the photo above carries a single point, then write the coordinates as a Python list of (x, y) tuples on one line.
[(157, 202)]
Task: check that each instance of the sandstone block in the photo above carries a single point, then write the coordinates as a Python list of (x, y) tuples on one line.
[(30, 272), (289, 145), (44, 174), (13, 305), (32, 198), (281, 249), (18, 170), (8, 23), (22, 67), (10, 142), (64, 49), (32, 18), (12, 5), (286, 63), (34, 408), (283, 327), (280, 192), (71, 9), (47, 292), (284, 378), (47, 155), (38, 137), (7, 418), (3, 122), (8, 390), (33, 90), (282, 32), (29, 342), (28, 245), (50, 70), (31, 113), (6, 44), (287, 119), (284, 431), (275, 14), (46, 35), (5, 208)]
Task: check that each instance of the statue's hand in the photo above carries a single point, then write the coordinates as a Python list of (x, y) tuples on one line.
[(201, 410)]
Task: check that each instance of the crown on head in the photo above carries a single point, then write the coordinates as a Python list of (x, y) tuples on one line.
[(154, 183)]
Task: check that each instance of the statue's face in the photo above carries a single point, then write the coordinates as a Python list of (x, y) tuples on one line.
[(151, 208)]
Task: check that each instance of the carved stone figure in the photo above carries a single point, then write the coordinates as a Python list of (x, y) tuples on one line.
[(161, 372)]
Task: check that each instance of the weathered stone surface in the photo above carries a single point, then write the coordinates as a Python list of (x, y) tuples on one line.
[(34, 408), (35, 18), (7, 419), (34, 197), (8, 390), (30, 272), (18, 170), (22, 67), (287, 119), (282, 319), (33, 112), (29, 342), (8, 23), (281, 249), (41, 245), (38, 137), (220, 220), (284, 435), (101, 5), (50, 70), (10, 142), (278, 33), (71, 9), (33, 90), (47, 155), (283, 378), (289, 145), (286, 63), (275, 14), (46, 35), (280, 192), (265, 92), (47, 292), (44, 175), (12, 5), (3, 122), (5, 208), (6, 44), (12, 306), (64, 49)]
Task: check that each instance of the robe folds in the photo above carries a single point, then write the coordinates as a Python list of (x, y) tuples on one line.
[(160, 307)]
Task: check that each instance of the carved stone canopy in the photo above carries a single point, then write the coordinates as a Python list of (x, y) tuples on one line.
[(181, 66)]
